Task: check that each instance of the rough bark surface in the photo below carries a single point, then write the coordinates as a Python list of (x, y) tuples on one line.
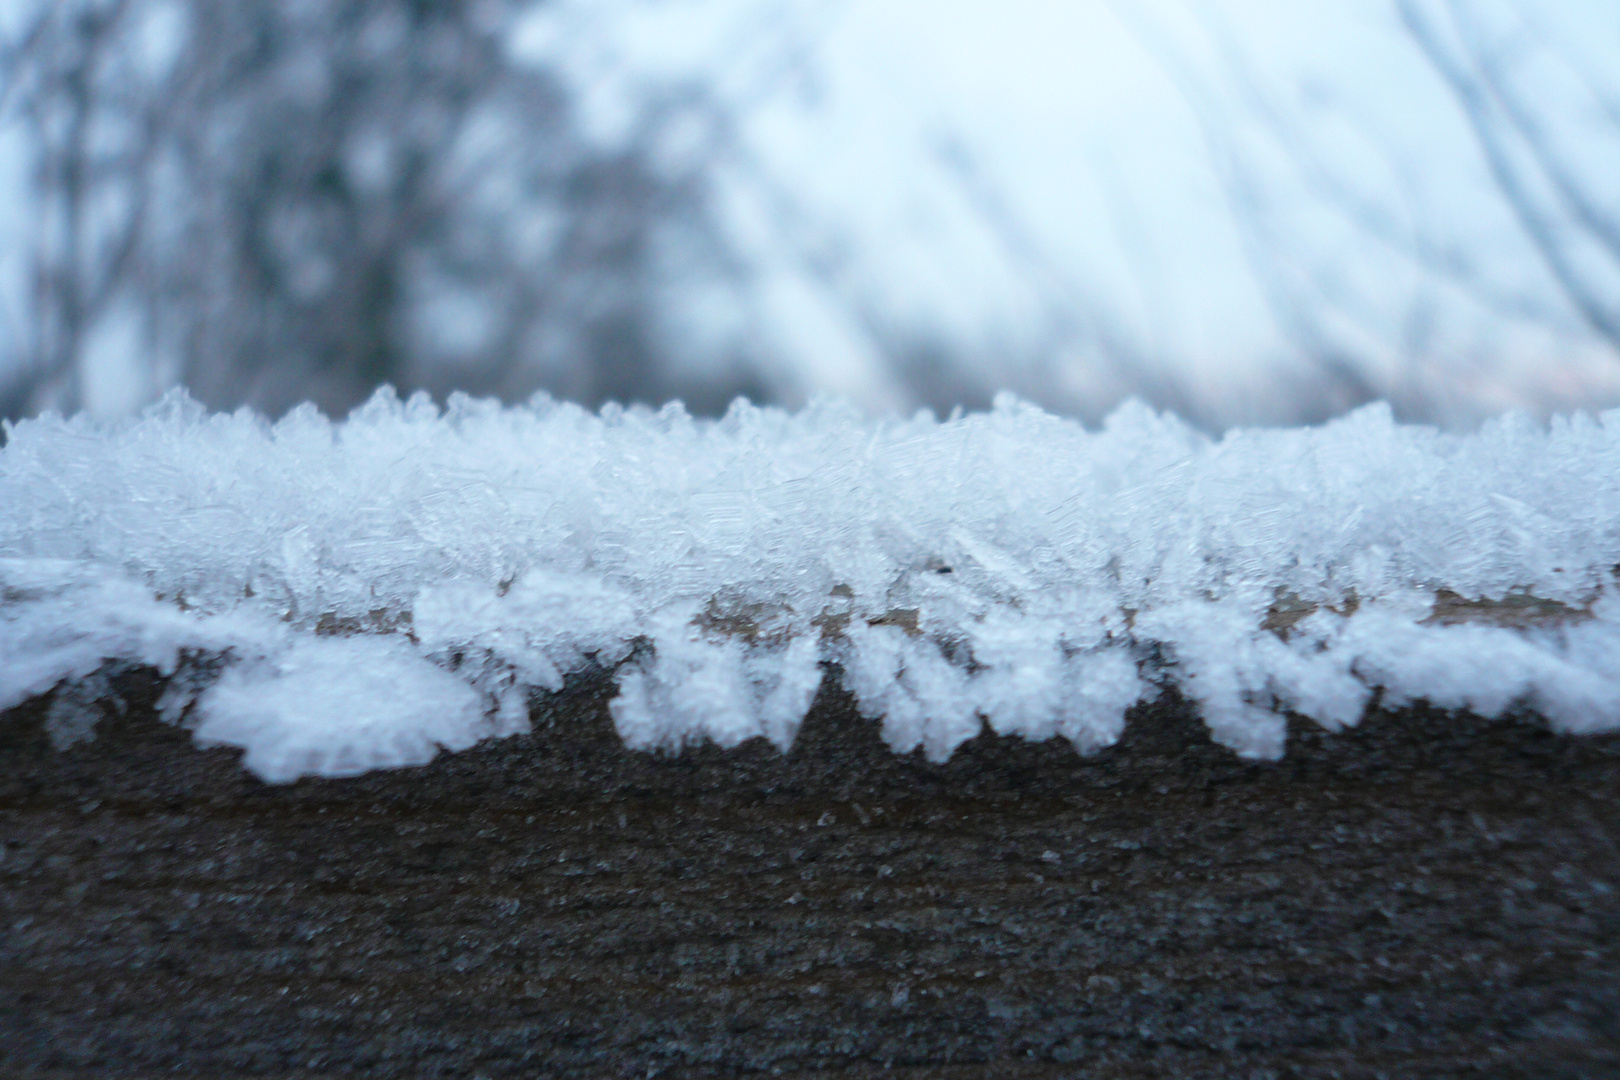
[(1427, 895)]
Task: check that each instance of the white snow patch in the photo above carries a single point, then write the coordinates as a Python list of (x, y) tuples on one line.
[(337, 597)]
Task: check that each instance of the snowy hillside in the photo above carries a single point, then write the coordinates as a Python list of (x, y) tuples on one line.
[(336, 597)]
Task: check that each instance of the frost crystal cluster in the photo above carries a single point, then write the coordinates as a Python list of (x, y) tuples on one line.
[(336, 597)]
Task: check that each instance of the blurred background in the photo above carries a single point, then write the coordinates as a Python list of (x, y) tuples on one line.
[(1247, 211)]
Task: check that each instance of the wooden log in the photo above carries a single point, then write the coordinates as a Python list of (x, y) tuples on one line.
[(1424, 895)]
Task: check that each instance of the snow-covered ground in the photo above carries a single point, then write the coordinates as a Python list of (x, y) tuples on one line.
[(336, 597)]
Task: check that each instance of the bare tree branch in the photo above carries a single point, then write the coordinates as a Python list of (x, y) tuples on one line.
[(1492, 122)]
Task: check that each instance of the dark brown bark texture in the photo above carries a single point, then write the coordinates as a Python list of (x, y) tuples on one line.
[(1426, 895)]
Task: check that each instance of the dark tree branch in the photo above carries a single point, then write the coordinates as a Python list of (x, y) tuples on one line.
[(1492, 125)]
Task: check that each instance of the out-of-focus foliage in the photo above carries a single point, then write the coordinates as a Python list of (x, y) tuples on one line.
[(272, 201), (1541, 160), (1445, 236), (277, 200)]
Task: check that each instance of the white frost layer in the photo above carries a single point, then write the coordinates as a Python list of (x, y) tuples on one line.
[(335, 597)]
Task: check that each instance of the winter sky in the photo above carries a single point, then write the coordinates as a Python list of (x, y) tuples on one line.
[(969, 169), (1108, 141)]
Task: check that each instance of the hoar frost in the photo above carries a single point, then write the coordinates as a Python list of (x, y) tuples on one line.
[(337, 597)]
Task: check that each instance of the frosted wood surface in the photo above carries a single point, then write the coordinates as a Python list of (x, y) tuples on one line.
[(339, 596)]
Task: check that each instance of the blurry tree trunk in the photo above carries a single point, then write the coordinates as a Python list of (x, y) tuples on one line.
[(65, 75)]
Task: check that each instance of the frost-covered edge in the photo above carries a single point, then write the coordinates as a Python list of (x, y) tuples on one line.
[(315, 598)]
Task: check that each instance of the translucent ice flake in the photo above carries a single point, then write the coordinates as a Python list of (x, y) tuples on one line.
[(541, 626), (63, 621), (1038, 678), (339, 596), (339, 707), (695, 683)]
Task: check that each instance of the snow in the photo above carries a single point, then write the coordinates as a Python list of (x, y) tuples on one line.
[(334, 597)]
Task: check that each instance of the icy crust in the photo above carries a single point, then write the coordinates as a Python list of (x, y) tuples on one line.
[(336, 597)]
